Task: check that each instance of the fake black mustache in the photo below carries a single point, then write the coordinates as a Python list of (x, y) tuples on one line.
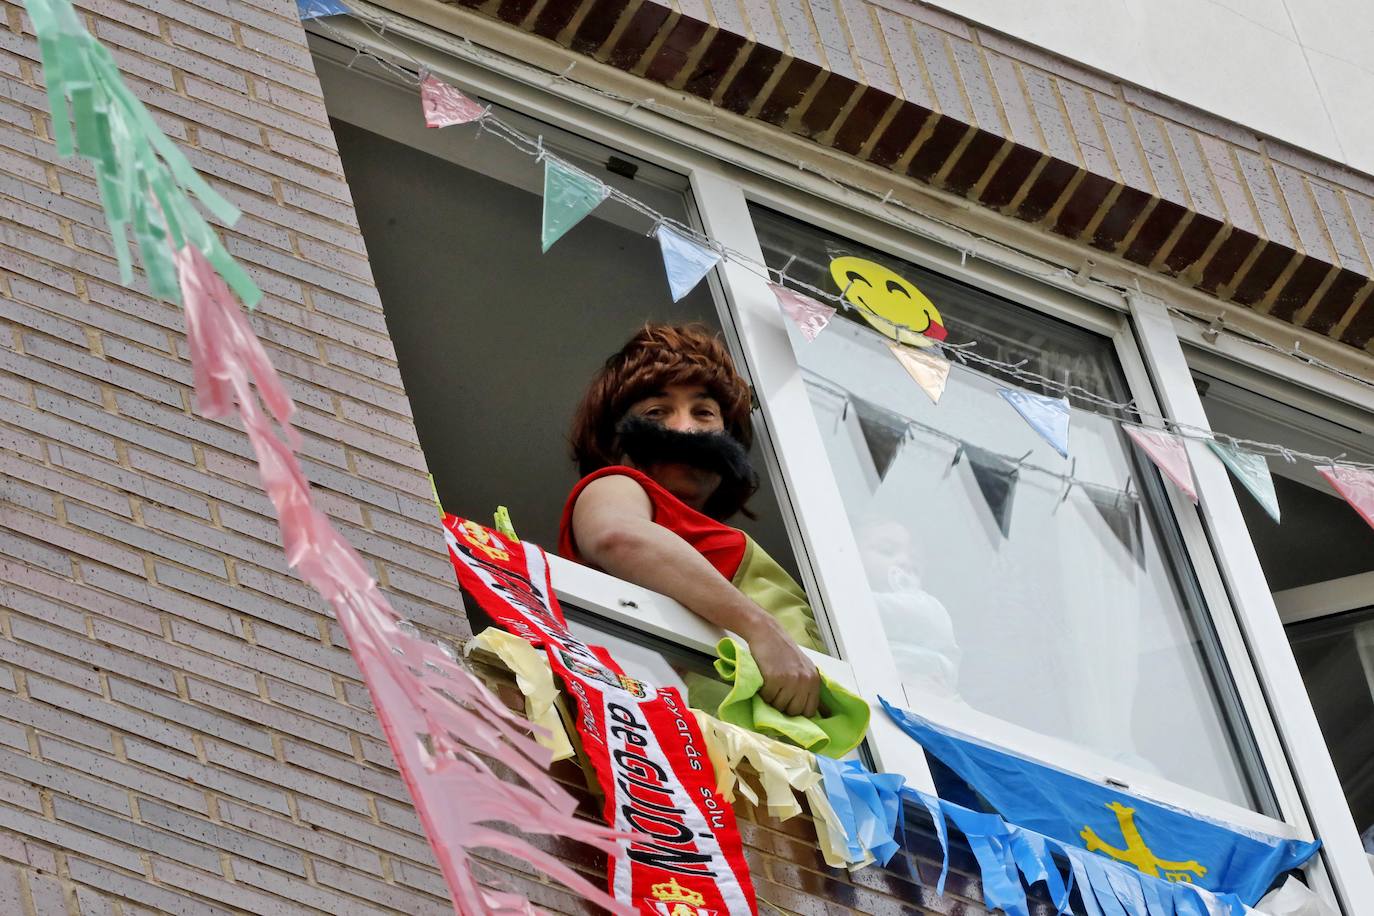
[(649, 443)]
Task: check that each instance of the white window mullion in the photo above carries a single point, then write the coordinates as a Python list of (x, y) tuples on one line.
[(815, 497), (1319, 786)]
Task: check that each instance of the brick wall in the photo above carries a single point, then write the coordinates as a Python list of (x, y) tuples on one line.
[(181, 729)]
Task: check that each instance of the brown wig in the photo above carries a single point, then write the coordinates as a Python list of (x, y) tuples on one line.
[(656, 356)]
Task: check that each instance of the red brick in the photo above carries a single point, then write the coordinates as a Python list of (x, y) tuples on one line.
[(1299, 289), (1259, 279), (721, 54), (1082, 205), (673, 53), (1221, 268), (744, 88), (1049, 185), (637, 35), (827, 104), (1336, 301), (900, 132), (1192, 243), (1130, 203), (788, 91), (1011, 174), (1154, 232), (939, 145), (973, 162)]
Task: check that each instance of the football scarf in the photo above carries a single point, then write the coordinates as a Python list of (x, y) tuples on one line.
[(646, 747)]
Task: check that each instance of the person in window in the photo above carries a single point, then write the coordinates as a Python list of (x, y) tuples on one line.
[(662, 439)]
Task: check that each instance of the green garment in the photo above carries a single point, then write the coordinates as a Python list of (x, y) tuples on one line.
[(834, 732), (760, 579)]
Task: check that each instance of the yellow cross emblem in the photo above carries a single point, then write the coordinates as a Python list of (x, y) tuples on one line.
[(1136, 852)]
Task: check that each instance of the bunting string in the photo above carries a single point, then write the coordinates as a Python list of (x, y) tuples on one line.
[(975, 245), (965, 355)]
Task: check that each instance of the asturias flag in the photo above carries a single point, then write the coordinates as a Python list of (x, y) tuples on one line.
[(1158, 840)]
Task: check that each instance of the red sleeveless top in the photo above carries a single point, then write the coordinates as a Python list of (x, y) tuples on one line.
[(722, 546)]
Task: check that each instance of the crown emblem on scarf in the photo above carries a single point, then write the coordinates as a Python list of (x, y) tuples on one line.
[(676, 893)]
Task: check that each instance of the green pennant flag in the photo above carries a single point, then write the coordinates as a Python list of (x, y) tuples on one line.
[(569, 195), (1253, 472)]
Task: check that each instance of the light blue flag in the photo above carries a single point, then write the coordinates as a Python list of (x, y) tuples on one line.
[(569, 196), (1122, 829), (1047, 416), (686, 260), (314, 9), (1252, 471)]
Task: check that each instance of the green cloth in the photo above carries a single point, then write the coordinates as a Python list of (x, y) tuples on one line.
[(834, 733), (760, 579)]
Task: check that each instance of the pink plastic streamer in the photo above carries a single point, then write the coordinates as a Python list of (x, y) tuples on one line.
[(806, 313), (1356, 485), (444, 105), (437, 716), (1168, 453)]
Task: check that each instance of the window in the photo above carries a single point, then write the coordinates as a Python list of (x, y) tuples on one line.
[(1011, 582), (495, 340)]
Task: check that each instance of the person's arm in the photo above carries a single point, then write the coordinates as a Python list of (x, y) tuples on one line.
[(613, 525)]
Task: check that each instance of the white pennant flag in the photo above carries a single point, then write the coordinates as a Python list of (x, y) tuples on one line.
[(925, 368), (1168, 453)]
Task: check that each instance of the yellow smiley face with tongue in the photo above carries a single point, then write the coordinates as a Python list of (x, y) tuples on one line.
[(886, 299)]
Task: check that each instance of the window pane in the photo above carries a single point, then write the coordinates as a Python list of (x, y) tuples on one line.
[(1040, 591), (1336, 657)]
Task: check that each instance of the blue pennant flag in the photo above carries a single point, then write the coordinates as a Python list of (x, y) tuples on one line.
[(1158, 841), (1047, 416), (687, 261), (314, 9)]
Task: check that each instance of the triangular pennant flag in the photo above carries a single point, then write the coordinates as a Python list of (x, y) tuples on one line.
[(926, 369), (569, 195), (1121, 512), (314, 9), (1168, 453), (1047, 416), (1356, 485), (443, 105), (686, 260), (1252, 471), (883, 432), (806, 313), (996, 478)]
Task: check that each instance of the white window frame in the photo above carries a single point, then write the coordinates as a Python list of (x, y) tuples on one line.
[(721, 174)]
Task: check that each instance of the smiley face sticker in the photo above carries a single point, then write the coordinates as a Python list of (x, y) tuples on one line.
[(886, 299)]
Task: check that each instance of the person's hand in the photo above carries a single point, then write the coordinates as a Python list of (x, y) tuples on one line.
[(791, 683)]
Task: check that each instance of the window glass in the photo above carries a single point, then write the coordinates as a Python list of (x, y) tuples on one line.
[(1336, 657), (1318, 562), (1013, 583)]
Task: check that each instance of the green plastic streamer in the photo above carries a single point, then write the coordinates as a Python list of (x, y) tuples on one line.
[(145, 182)]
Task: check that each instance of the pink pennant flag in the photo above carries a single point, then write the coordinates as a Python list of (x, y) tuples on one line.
[(1168, 453), (442, 723), (925, 368), (445, 105), (1356, 485), (806, 313)]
